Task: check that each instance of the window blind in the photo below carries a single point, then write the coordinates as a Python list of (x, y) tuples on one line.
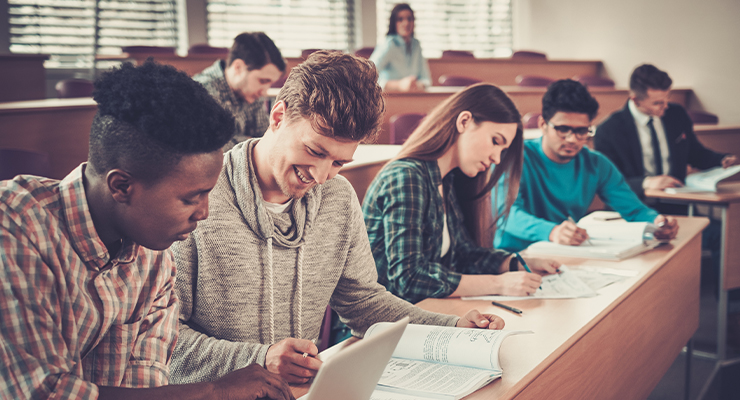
[(73, 31), (294, 25), (481, 26)]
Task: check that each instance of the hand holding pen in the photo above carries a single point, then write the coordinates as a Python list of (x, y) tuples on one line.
[(568, 233), (295, 360)]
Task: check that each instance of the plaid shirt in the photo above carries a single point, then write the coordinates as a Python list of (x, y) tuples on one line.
[(72, 316), (404, 218), (252, 120)]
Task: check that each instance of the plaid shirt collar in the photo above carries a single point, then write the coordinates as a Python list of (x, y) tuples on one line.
[(82, 233)]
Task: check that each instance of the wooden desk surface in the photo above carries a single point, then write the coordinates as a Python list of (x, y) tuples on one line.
[(728, 197), (503, 71), (720, 138), (616, 345), (57, 127), (367, 162), (22, 77)]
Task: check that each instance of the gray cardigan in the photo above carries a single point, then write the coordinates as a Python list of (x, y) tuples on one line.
[(248, 278)]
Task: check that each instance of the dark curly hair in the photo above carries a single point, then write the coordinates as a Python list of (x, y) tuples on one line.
[(646, 77), (567, 95), (149, 117), (338, 93)]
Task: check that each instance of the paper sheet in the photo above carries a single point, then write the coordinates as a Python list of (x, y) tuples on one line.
[(565, 285)]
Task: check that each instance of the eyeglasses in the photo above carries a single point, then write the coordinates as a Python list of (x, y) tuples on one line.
[(564, 131)]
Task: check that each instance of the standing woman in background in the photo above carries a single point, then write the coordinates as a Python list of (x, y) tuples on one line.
[(400, 64), (412, 213)]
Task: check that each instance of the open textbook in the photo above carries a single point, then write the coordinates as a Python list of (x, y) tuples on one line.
[(705, 181), (568, 284), (614, 240), (439, 362)]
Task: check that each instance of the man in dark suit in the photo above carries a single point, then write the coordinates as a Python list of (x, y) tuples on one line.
[(651, 141)]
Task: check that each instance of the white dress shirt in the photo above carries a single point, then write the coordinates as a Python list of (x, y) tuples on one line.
[(646, 142)]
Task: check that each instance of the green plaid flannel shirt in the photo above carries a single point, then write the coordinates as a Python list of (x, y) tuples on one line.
[(404, 217)]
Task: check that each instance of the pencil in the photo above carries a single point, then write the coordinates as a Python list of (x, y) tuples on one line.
[(505, 307)]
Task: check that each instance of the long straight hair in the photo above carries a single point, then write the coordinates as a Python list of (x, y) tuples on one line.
[(437, 133), (394, 17)]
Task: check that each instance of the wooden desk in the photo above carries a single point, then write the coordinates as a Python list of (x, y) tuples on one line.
[(58, 127), (526, 100), (616, 345), (368, 160), (192, 64), (722, 139), (503, 71), (22, 77), (727, 199)]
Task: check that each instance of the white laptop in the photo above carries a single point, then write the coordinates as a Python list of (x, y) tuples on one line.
[(354, 371)]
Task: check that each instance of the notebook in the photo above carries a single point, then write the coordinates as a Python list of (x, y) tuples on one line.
[(353, 372)]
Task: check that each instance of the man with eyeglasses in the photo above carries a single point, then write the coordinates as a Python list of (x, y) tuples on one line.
[(560, 177)]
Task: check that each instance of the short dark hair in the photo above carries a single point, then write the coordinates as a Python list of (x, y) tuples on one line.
[(647, 76), (394, 16), (338, 93), (256, 50), (149, 117), (567, 95)]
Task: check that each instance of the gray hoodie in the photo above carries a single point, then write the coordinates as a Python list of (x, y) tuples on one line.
[(248, 278)]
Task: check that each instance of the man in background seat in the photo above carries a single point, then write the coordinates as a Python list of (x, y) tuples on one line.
[(240, 83)]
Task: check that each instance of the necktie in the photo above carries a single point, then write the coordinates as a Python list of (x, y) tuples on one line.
[(657, 157)]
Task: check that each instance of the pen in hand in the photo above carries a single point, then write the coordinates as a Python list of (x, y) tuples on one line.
[(574, 222), (314, 342), (524, 264)]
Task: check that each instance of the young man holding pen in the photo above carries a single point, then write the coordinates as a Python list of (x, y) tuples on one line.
[(286, 237), (561, 177)]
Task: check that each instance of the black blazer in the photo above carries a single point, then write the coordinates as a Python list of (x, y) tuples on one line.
[(618, 139)]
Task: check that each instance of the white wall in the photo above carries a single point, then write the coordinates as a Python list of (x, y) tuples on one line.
[(696, 41)]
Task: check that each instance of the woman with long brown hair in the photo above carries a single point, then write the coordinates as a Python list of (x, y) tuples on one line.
[(413, 213)]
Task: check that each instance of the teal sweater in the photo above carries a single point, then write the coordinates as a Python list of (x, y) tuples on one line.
[(550, 192)]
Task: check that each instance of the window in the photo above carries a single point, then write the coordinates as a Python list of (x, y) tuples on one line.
[(73, 31), (294, 25), (481, 26)]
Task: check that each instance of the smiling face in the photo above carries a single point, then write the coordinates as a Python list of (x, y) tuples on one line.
[(251, 85), (158, 214), (480, 145), (559, 149), (405, 24), (299, 158)]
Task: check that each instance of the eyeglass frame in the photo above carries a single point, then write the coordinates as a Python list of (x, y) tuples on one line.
[(590, 131)]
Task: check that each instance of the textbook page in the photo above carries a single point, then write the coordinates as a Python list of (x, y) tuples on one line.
[(433, 380), (441, 362), (564, 285), (705, 181)]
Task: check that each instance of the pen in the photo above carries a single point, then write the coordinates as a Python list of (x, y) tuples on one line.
[(312, 341), (521, 261), (574, 221), (504, 306)]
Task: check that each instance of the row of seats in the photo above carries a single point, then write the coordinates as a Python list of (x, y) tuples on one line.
[(362, 52), (402, 125)]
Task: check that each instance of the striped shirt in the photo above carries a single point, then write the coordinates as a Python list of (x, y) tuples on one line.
[(405, 214), (74, 317), (252, 120)]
